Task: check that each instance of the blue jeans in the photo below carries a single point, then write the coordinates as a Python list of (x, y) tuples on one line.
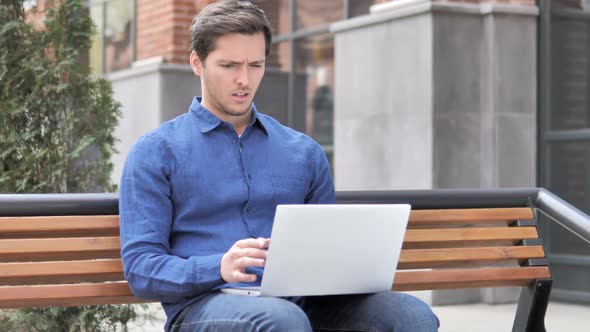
[(386, 311)]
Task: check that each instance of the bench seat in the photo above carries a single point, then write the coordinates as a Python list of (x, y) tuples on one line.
[(73, 260)]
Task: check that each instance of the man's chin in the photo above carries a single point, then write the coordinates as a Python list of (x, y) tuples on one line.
[(237, 112)]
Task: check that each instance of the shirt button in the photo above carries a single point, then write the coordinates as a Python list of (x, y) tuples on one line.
[(241, 145), (248, 209), (249, 176)]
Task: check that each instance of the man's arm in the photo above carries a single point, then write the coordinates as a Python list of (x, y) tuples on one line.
[(146, 220), (322, 187)]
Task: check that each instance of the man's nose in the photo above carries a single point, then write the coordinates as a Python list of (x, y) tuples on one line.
[(242, 76)]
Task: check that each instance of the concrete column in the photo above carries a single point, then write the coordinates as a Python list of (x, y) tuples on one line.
[(383, 102), (437, 95)]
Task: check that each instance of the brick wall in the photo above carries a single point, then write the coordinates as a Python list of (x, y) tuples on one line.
[(162, 28)]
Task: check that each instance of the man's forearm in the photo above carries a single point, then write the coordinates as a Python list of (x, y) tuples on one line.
[(156, 275)]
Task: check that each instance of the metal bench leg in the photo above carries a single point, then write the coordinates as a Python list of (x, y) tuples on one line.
[(532, 306)]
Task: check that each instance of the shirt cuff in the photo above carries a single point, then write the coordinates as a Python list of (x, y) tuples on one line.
[(207, 271)]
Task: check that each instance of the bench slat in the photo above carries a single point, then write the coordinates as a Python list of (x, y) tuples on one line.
[(109, 270), (470, 234), (61, 272), (12, 297), (462, 216), (109, 224), (431, 258), (60, 249), (119, 292), (59, 225), (468, 278)]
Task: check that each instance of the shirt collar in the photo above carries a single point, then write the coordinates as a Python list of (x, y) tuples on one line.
[(207, 121)]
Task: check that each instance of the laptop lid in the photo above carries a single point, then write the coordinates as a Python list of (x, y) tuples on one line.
[(334, 249)]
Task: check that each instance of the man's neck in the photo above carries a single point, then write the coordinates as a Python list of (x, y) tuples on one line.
[(239, 122)]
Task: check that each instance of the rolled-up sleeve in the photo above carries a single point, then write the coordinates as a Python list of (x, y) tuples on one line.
[(146, 213)]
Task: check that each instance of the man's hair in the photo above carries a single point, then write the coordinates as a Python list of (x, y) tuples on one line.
[(225, 17)]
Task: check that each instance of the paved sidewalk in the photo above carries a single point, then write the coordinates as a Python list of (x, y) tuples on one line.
[(467, 317), (494, 318)]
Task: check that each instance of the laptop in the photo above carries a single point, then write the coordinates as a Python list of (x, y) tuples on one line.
[(332, 249)]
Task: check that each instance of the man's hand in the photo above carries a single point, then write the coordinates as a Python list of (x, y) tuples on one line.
[(243, 254)]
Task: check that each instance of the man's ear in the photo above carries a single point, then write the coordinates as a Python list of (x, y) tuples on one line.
[(196, 64)]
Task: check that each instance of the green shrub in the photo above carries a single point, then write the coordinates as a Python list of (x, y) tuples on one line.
[(57, 122), (57, 127)]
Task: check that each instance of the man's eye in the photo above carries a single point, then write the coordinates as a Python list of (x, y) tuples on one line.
[(228, 66), (256, 65)]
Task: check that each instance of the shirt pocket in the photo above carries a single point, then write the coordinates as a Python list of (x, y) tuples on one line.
[(289, 189)]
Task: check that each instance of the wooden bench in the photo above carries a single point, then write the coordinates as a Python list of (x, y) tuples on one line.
[(73, 259)]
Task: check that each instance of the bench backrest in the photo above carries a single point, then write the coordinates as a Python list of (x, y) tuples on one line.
[(75, 260)]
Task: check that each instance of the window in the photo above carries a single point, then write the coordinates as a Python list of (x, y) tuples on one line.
[(112, 46), (300, 68)]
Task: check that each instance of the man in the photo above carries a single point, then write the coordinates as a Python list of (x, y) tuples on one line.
[(198, 197)]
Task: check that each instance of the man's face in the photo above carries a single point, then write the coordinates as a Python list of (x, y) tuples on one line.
[(230, 74)]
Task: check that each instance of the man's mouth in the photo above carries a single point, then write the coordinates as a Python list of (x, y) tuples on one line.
[(240, 97)]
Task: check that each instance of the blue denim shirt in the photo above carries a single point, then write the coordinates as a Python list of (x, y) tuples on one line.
[(191, 188)]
